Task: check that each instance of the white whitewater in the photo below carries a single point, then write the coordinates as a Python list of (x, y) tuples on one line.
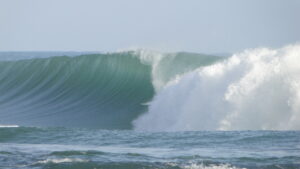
[(8, 126), (257, 89)]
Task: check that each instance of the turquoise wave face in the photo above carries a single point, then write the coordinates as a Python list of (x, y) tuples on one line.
[(104, 91)]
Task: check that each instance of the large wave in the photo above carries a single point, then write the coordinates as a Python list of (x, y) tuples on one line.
[(145, 90), (257, 89), (94, 90)]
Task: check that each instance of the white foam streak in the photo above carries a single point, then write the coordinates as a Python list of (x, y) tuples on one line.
[(63, 160), (255, 90), (201, 166), (8, 126)]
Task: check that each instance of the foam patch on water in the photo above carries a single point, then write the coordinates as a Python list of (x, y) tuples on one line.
[(201, 166), (62, 160), (8, 126)]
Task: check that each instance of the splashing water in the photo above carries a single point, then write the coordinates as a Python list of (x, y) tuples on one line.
[(257, 89)]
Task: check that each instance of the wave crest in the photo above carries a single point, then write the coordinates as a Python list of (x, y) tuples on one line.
[(95, 90)]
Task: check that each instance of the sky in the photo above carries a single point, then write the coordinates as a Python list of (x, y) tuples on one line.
[(209, 26)]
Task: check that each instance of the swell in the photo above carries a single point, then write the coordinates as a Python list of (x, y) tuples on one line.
[(104, 91), (97, 90)]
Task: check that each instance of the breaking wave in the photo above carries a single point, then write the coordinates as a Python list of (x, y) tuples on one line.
[(104, 91), (258, 89)]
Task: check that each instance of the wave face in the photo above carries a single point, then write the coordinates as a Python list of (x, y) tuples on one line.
[(93, 90), (258, 89)]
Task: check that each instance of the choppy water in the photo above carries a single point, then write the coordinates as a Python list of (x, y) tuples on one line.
[(34, 148)]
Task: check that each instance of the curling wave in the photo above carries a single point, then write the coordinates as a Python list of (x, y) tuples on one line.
[(104, 91)]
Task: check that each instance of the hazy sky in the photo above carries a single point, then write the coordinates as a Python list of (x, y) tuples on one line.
[(210, 26)]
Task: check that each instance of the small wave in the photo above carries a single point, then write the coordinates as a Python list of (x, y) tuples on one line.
[(5, 153), (74, 153)]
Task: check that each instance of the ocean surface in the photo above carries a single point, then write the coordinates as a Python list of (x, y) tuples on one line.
[(35, 148), (148, 109)]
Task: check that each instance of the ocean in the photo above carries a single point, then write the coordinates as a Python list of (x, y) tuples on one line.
[(149, 109), (35, 148)]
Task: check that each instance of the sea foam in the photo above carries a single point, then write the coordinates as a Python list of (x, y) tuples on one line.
[(258, 89)]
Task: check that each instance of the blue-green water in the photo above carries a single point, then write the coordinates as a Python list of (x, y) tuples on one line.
[(149, 110), (105, 91), (35, 148)]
